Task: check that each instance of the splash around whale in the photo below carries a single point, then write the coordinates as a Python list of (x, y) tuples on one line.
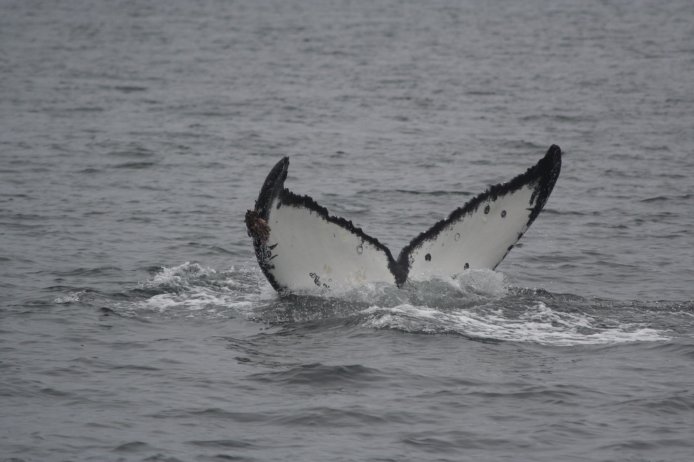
[(300, 247)]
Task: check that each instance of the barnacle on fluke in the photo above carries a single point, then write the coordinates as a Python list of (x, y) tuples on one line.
[(256, 226)]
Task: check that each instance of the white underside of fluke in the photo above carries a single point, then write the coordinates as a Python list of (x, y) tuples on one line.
[(302, 248), (480, 238), (309, 252)]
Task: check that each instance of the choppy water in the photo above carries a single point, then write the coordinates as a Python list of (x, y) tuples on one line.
[(136, 325)]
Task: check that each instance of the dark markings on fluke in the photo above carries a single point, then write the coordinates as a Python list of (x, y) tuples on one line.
[(541, 178)]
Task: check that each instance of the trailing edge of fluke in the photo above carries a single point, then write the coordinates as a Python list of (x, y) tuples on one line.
[(301, 247)]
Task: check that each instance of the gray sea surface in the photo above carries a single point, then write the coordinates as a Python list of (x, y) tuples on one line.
[(135, 323)]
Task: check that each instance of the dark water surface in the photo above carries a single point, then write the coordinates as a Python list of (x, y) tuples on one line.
[(136, 325)]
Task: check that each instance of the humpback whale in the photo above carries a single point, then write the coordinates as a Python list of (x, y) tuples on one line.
[(301, 247)]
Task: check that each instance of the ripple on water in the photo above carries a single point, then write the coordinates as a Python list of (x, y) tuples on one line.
[(321, 375)]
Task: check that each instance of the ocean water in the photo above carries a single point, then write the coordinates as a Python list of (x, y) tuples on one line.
[(135, 323)]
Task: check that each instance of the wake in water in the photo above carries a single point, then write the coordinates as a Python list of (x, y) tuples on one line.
[(481, 305)]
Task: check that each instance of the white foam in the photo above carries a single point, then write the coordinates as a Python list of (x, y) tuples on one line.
[(475, 304), (470, 287), (72, 297), (483, 282), (190, 288), (537, 323), (179, 276)]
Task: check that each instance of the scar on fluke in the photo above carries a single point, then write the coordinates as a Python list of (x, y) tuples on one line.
[(306, 240)]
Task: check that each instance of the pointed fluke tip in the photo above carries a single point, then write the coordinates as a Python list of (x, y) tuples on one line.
[(271, 187), (552, 159), (280, 167), (283, 165)]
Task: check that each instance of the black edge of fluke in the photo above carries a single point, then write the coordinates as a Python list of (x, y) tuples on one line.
[(544, 174), (274, 182)]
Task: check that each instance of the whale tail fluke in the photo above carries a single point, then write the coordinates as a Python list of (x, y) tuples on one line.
[(301, 247)]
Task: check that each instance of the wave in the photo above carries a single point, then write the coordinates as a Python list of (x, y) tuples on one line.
[(191, 287), (480, 305), (537, 323)]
